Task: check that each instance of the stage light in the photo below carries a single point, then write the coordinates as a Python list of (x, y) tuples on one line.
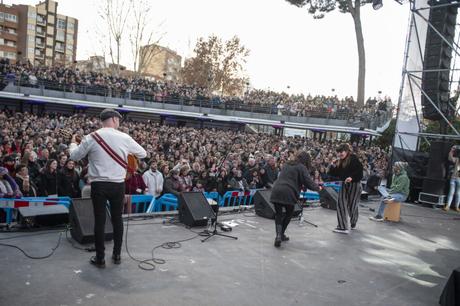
[(377, 4)]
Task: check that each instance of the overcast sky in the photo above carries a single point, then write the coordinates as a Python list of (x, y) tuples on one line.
[(288, 47)]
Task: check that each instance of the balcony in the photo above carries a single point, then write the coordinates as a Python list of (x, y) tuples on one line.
[(40, 55), (41, 20), (40, 45), (40, 33), (59, 49)]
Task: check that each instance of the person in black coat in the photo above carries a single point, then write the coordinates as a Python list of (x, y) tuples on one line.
[(349, 170), (68, 181), (48, 179), (286, 191)]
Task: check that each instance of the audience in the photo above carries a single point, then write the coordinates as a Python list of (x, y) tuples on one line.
[(199, 159)]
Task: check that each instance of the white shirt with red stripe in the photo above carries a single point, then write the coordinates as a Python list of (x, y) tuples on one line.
[(102, 167)]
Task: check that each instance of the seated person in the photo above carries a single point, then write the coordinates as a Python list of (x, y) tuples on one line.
[(399, 189), (8, 187)]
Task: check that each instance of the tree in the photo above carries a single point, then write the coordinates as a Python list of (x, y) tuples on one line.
[(142, 40), (318, 7), (128, 22), (217, 65), (115, 13)]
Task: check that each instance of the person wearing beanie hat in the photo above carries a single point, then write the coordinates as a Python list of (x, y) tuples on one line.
[(286, 190), (8, 187), (399, 190), (107, 150)]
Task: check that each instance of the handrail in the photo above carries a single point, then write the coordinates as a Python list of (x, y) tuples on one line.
[(314, 111)]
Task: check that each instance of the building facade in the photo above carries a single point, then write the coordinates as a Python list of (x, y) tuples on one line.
[(160, 63), (9, 32), (43, 37)]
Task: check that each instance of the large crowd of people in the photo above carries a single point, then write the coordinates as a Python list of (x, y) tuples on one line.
[(256, 100), (34, 152)]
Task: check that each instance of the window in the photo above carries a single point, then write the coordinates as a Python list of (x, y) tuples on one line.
[(70, 25), (31, 38), (60, 35), (69, 37), (69, 47), (32, 15), (11, 43), (11, 17), (31, 27), (7, 54), (30, 51), (11, 30), (61, 24)]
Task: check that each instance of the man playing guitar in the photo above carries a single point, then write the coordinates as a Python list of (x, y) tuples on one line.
[(107, 150)]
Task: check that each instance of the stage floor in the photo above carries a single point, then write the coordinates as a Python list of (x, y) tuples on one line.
[(384, 264)]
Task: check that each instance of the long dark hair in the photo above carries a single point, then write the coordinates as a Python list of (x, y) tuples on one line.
[(48, 166), (304, 158), (344, 162)]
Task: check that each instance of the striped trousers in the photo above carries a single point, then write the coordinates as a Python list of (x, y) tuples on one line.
[(347, 205)]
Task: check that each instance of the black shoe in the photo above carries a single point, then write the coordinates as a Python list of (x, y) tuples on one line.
[(278, 235), (100, 263), (284, 238), (116, 259)]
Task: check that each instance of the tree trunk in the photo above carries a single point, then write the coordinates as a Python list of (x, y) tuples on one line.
[(361, 54)]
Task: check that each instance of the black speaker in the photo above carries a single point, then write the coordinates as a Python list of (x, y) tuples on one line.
[(265, 208), (439, 153), (435, 180), (194, 209), (82, 221), (328, 198), (48, 215), (437, 59)]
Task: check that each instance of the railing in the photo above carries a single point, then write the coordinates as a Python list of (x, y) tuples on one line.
[(373, 119)]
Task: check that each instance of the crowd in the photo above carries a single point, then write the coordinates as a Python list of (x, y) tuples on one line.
[(35, 160), (98, 83)]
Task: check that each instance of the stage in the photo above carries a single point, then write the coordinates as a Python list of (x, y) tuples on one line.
[(384, 264)]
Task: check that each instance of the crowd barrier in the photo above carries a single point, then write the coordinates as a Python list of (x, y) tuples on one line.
[(149, 204), (10, 205)]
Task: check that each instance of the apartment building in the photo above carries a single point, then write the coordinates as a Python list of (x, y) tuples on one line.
[(41, 35), (8, 33), (160, 62)]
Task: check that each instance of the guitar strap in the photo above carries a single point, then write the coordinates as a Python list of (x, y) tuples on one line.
[(109, 150)]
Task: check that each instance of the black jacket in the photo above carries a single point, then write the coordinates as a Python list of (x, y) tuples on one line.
[(354, 170), (68, 184), (293, 177), (48, 184)]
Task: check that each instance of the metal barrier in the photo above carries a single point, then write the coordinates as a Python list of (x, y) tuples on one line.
[(10, 205), (372, 119)]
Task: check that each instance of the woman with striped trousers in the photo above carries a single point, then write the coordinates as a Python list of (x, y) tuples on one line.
[(350, 171)]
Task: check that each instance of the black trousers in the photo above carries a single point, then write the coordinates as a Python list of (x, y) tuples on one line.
[(281, 219), (114, 194)]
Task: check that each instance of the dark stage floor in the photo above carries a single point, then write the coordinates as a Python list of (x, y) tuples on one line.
[(377, 264)]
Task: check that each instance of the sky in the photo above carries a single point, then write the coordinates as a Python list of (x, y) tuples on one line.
[(289, 50)]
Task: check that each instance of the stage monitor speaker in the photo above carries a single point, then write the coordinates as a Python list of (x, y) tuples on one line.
[(328, 198), (437, 60), (194, 209), (82, 221), (265, 208), (436, 186), (48, 215)]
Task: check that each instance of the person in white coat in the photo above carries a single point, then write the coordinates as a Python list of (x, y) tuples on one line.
[(154, 180)]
